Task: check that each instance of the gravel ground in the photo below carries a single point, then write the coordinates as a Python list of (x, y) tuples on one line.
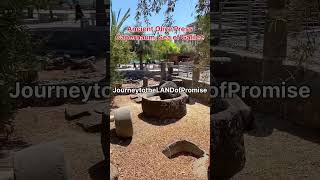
[(35, 125), (43, 124), (142, 157), (281, 150)]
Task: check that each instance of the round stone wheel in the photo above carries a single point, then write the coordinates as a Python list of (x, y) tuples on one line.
[(123, 122)]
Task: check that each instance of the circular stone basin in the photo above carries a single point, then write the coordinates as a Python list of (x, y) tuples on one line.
[(174, 108)]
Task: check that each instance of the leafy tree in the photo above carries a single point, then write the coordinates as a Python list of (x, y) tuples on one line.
[(145, 8), (164, 47), (120, 50), (17, 52), (186, 48), (142, 49)]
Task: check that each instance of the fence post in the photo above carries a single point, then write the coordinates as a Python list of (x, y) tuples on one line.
[(249, 20)]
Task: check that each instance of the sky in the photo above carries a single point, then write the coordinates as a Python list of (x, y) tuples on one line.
[(184, 12)]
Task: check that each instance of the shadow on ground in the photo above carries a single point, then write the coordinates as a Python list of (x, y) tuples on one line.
[(114, 139), (99, 171), (156, 121), (265, 125)]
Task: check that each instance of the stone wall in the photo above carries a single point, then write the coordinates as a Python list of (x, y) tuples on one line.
[(202, 97), (91, 41), (138, 74), (246, 68)]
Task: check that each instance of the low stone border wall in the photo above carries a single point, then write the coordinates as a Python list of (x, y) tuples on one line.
[(202, 97), (138, 74), (246, 68)]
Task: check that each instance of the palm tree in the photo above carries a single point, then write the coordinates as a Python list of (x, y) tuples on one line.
[(120, 50), (143, 48), (117, 23)]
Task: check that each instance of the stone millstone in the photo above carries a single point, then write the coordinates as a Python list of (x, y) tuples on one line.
[(168, 95), (114, 173), (123, 122), (44, 161)]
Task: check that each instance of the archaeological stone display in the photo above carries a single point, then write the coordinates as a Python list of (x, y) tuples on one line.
[(123, 122), (145, 82), (166, 85), (178, 82), (174, 108), (182, 146), (229, 121)]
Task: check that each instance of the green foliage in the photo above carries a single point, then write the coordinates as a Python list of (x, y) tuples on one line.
[(162, 48), (203, 48), (146, 8), (16, 51), (142, 49), (186, 48), (120, 50)]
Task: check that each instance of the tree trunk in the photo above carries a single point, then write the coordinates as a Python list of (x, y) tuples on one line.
[(101, 15)]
